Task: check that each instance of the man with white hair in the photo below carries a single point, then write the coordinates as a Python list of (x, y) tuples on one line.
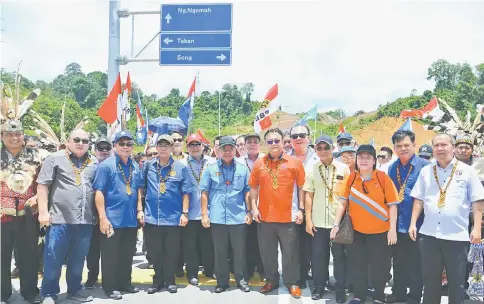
[(66, 204)]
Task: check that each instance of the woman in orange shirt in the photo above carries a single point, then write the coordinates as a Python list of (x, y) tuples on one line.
[(371, 200)]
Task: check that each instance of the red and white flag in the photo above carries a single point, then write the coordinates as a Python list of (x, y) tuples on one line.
[(342, 129), (432, 109), (262, 119), (125, 108), (109, 109)]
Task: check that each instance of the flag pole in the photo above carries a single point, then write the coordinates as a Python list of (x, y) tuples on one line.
[(219, 113)]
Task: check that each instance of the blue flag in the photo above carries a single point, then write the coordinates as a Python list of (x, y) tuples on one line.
[(142, 133), (407, 125), (311, 114)]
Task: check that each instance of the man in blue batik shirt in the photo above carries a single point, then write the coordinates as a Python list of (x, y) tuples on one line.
[(407, 268), (225, 208), (167, 188), (194, 232), (116, 185)]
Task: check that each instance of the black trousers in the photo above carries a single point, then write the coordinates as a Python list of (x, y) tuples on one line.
[(320, 259), (94, 254), (117, 258), (407, 271), (235, 237), (22, 233), (287, 235), (305, 251), (372, 250), (193, 235), (435, 254), (163, 245), (253, 253)]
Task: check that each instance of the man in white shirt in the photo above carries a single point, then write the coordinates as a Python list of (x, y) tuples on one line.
[(446, 191)]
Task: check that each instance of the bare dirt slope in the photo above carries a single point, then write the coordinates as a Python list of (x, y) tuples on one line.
[(383, 129)]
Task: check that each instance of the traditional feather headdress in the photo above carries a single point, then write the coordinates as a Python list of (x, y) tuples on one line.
[(470, 130), (47, 135), (12, 109), (18, 173)]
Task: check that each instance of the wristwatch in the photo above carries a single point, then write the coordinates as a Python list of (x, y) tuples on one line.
[(185, 214), (302, 210)]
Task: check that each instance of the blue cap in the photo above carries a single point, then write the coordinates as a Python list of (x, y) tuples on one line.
[(122, 134), (344, 136), (325, 139), (347, 149)]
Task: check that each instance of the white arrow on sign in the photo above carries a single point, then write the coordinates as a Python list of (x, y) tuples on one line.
[(221, 57), (168, 18), (167, 40)]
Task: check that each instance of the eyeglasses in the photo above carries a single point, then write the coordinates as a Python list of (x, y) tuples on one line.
[(163, 146), (77, 140), (177, 139), (104, 148), (287, 142), (127, 144), (300, 135), (152, 154), (344, 143), (325, 148), (196, 145), (365, 190), (381, 156), (273, 142)]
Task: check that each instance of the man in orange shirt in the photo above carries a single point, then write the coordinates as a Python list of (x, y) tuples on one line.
[(272, 181)]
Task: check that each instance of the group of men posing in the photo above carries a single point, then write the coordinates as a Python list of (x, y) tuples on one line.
[(243, 209)]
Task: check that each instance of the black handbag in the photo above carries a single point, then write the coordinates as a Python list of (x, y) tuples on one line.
[(345, 233)]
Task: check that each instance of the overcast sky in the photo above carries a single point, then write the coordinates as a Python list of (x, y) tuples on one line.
[(354, 55)]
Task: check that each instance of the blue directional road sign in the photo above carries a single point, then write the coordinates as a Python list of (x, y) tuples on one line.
[(198, 40), (196, 17), (195, 57)]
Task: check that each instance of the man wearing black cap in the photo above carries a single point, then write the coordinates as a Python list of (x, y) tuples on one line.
[(425, 152), (167, 187), (225, 188), (116, 188), (324, 180), (252, 146), (102, 149)]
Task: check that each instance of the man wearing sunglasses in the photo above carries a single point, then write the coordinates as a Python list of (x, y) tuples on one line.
[(102, 149), (272, 183), (287, 142), (252, 145), (384, 159), (167, 187), (116, 185), (151, 153), (66, 204), (194, 232), (177, 153), (323, 184), (300, 136), (344, 139)]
